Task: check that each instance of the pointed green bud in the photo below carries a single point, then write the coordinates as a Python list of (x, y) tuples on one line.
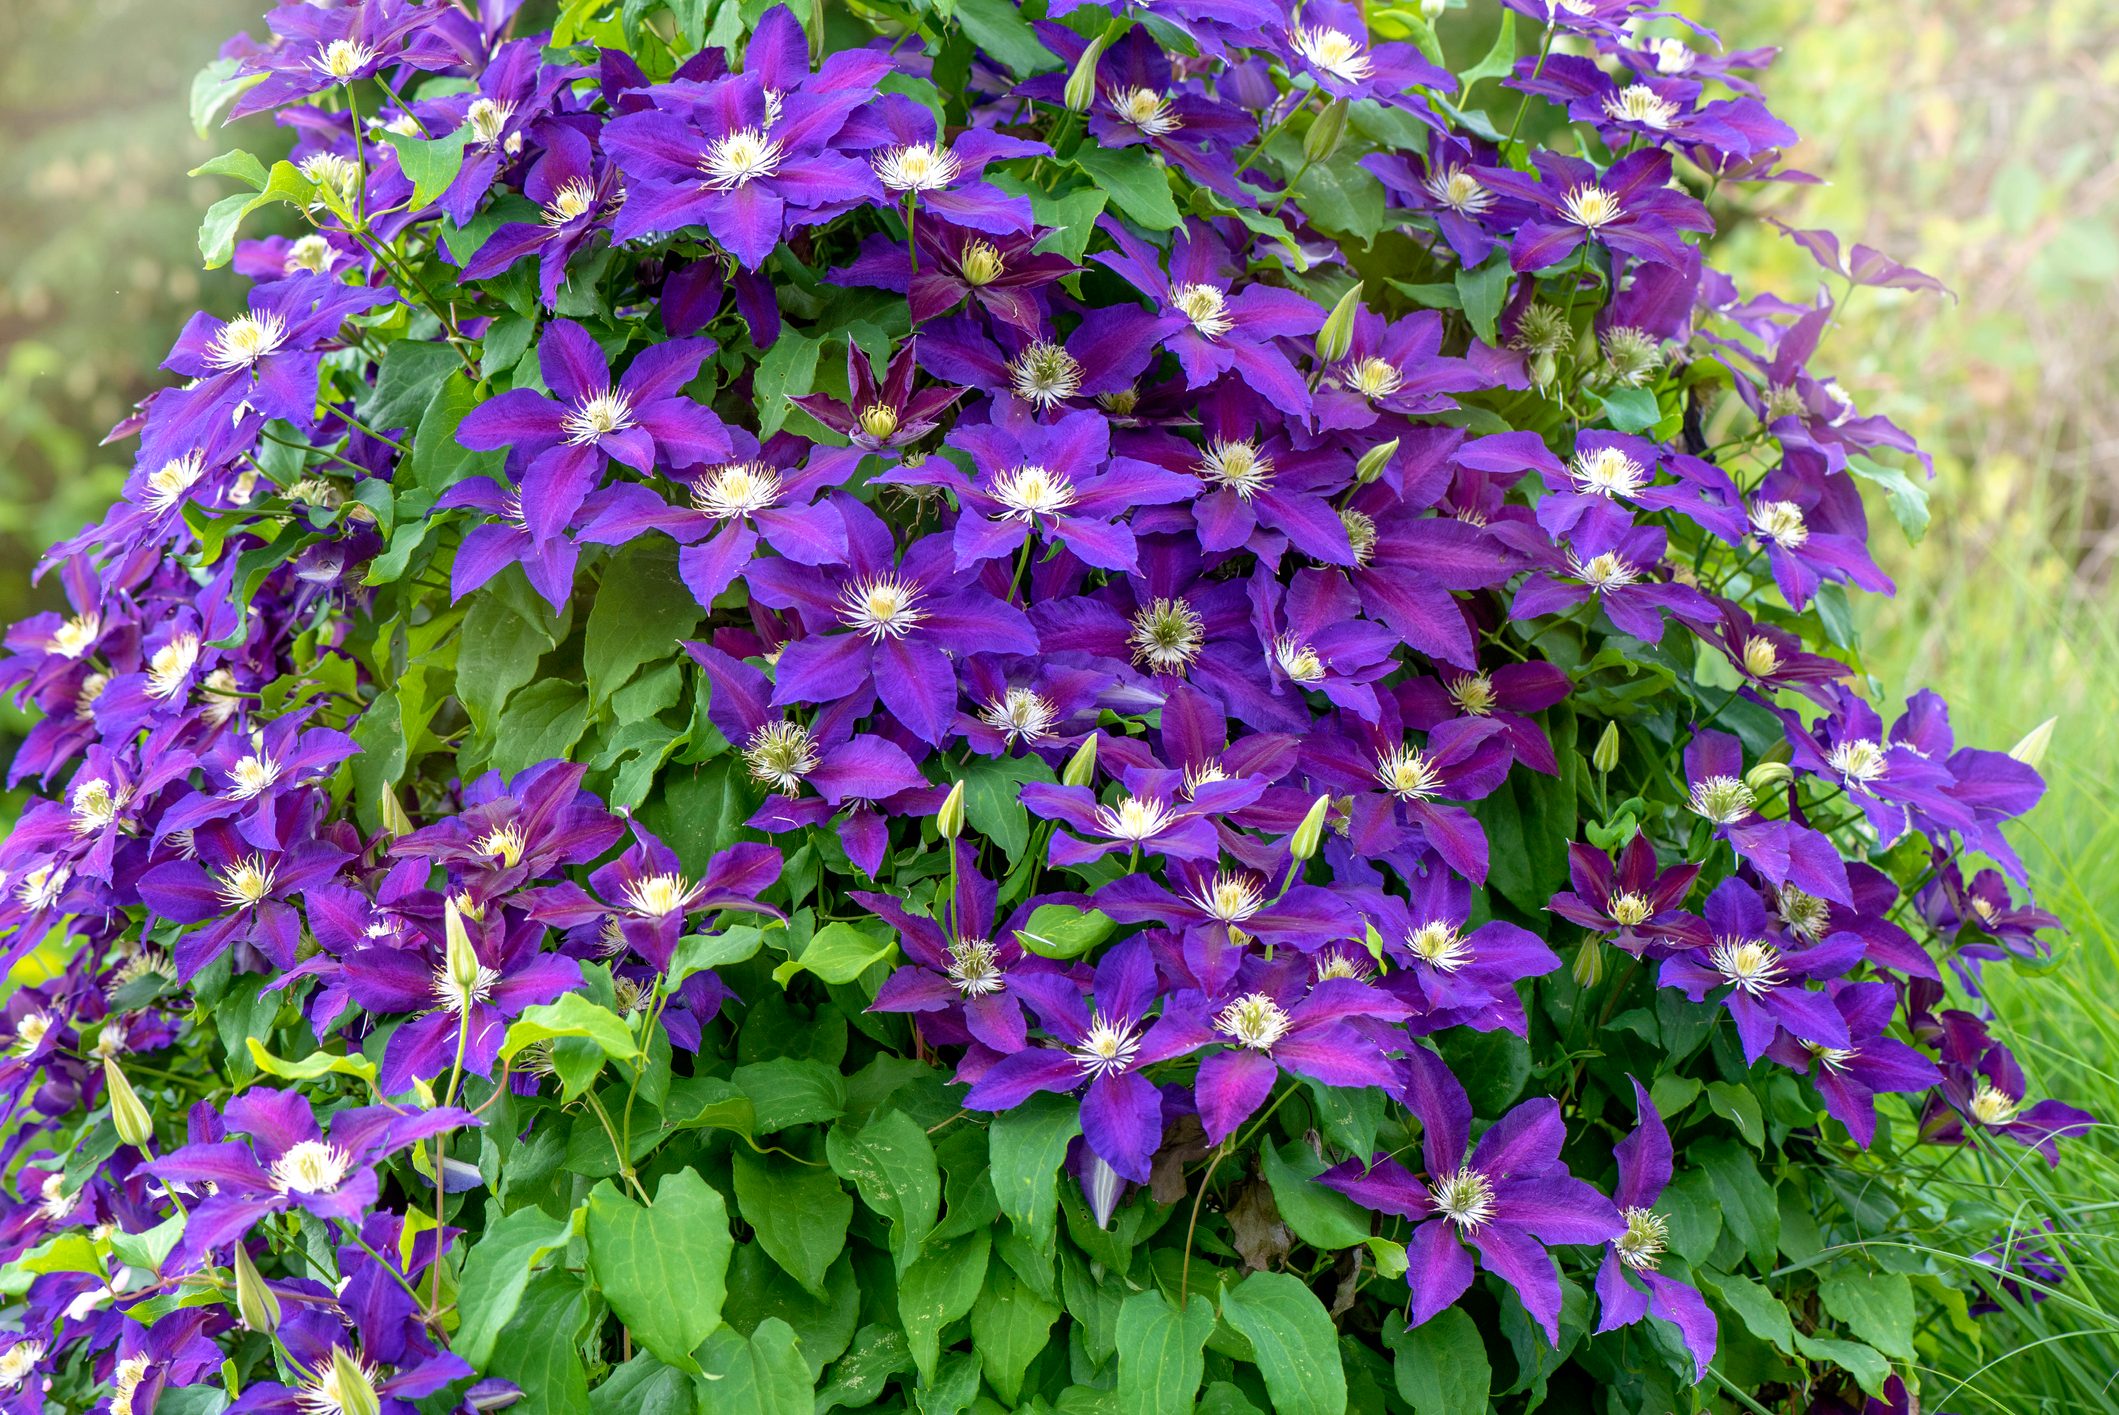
[(458, 954), (1081, 80), (1431, 10), (1337, 336), (2031, 750), (1768, 777), (1589, 962), (1081, 767), (949, 820), (1779, 752), (127, 1114), (1374, 461), (255, 1303), (391, 811), (1322, 140), (1606, 755), (348, 1380), (1310, 834)]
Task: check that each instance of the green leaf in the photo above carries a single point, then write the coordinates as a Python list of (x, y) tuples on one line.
[(788, 369), (1028, 1146), (237, 164), (1010, 1325), (1759, 1309), (642, 609), (317, 1063), (800, 1212), (412, 371), (992, 800), (764, 1375), (217, 231), (697, 953), (1631, 409), (1002, 34), (940, 1288), (429, 164), (1875, 1306), (644, 1386), (1748, 1206), (147, 1251), (1499, 59), (538, 1350), (1161, 1353), (878, 1353), (791, 1091), (664, 1269), (1739, 1106), (1441, 1366), (1293, 1341), (213, 88), (837, 953), (1866, 1364), (540, 723), (574, 1015), (1908, 498), (1134, 181), (891, 1162), (1483, 292), (506, 630), (1064, 931), (496, 1272), (1320, 1217)]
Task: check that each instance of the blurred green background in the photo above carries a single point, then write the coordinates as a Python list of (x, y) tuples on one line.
[(1978, 139)]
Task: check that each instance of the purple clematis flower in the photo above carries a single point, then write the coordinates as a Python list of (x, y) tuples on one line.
[(763, 495), (576, 192), (1197, 315), (1506, 695), (638, 420), (1152, 813), (1449, 974), (250, 777), (1104, 1041), (905, 148), (1629, 1283), (512, 974), (1631, 208), (748, 162), (1983, 1087), (1218, 901), (1396, 368), (1508, 1198), (897, 617), (1275, 1018), (1769, 657), (1765, 980), (1609, 563), (315, 49), (289, 1163), (1329, 41), (1637, 904), (1396, 783), (548, 561), (1000, 274), (1812, 528), (1851, 1077), (1786, 853), (512, 831), (246, 893)]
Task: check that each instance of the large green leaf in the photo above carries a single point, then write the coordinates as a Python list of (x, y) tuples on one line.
[(1442, 1367), (642, 610), (799, 1211), (1029, 1144), (497, 1271), (763, 1375), (1321, 1217), (1134, 181), (1295, 1344), (663, 1269), (891, 1162), (940, 1288), (1161, 1353), (1010, 1325)]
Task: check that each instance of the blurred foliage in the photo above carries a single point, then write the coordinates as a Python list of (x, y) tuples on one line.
[(98, 251)]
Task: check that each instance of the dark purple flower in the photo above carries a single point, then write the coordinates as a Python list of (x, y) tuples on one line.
[(999, 273), (549, 561), (1611, 564), (1851, 1077), (1983, 1087), (904, 146), (249, 777), (1786, 853), (1765, 980), (1631, 208), (511, 832), (886, 413), (315, 49), (1152, 813), (576, 192), (244, 895), (1638, 904), (1329, 41), (1450, 974), (1508, 1198)]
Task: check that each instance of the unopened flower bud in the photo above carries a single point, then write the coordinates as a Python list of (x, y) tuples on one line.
[(1431, 10), (1606, 755), (1589, 962), (458, 954), (349, 1380), (1081, 767), (1310, 834), (2031, 750), (128, 1115), (1322, 140), (1081, 80), (391, 811), (1768, 777), (255, 1303), (1337, 336), (1374, 461), (949, 820)]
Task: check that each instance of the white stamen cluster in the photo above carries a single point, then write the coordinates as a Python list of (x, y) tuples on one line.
[(659, 895), (1457, 189), (1409, 774), (1606, 471), (981, 263), (246, 339), (252, 776), (1021, 715), (1990, 1105), (736, 489), (975, 967), (503, 844), (95, 805), (881, 607), (1638, 103), (574, 199), (1360, 534), (1609, 571), (74, 637), (1465, 1198), (1630, 909), (320, 1394), (1751, 965), (1473, 694), (1167, 635), (1045, 375), (1762, 657), (170, 665), (1105, 1049), (1145, 110), (1725, 800), (311, 1167), (31, 1031), (1031, 490), (1237, 465), (1136, 818), (455, 997), (1804, 914), (1859, 760), (598, 416), (780, 754), (1334, 51), (343, 58), (1255, 1021), (169, 484), (1298, 660), (1641, 1246), (247, 882), (1372, 377), (1590, 207), (1230, 898), (917, 167), (18, 1361), (1780, 522), (1207, 306), (1438, 944), (740, 157), (488, 118)]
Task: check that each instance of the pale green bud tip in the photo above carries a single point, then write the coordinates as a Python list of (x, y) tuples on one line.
[(391, 811), (2031, 750), (461, 958), (1326, 131), (1337, 336), (349, 1381), (1606, 755), (1431, 10), (255, 1303), (1310, 834), (1081, 767), (949, 820), (127, 1114), (1589, 963), (1081, 80), (1374, 461), (1768, 777)]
